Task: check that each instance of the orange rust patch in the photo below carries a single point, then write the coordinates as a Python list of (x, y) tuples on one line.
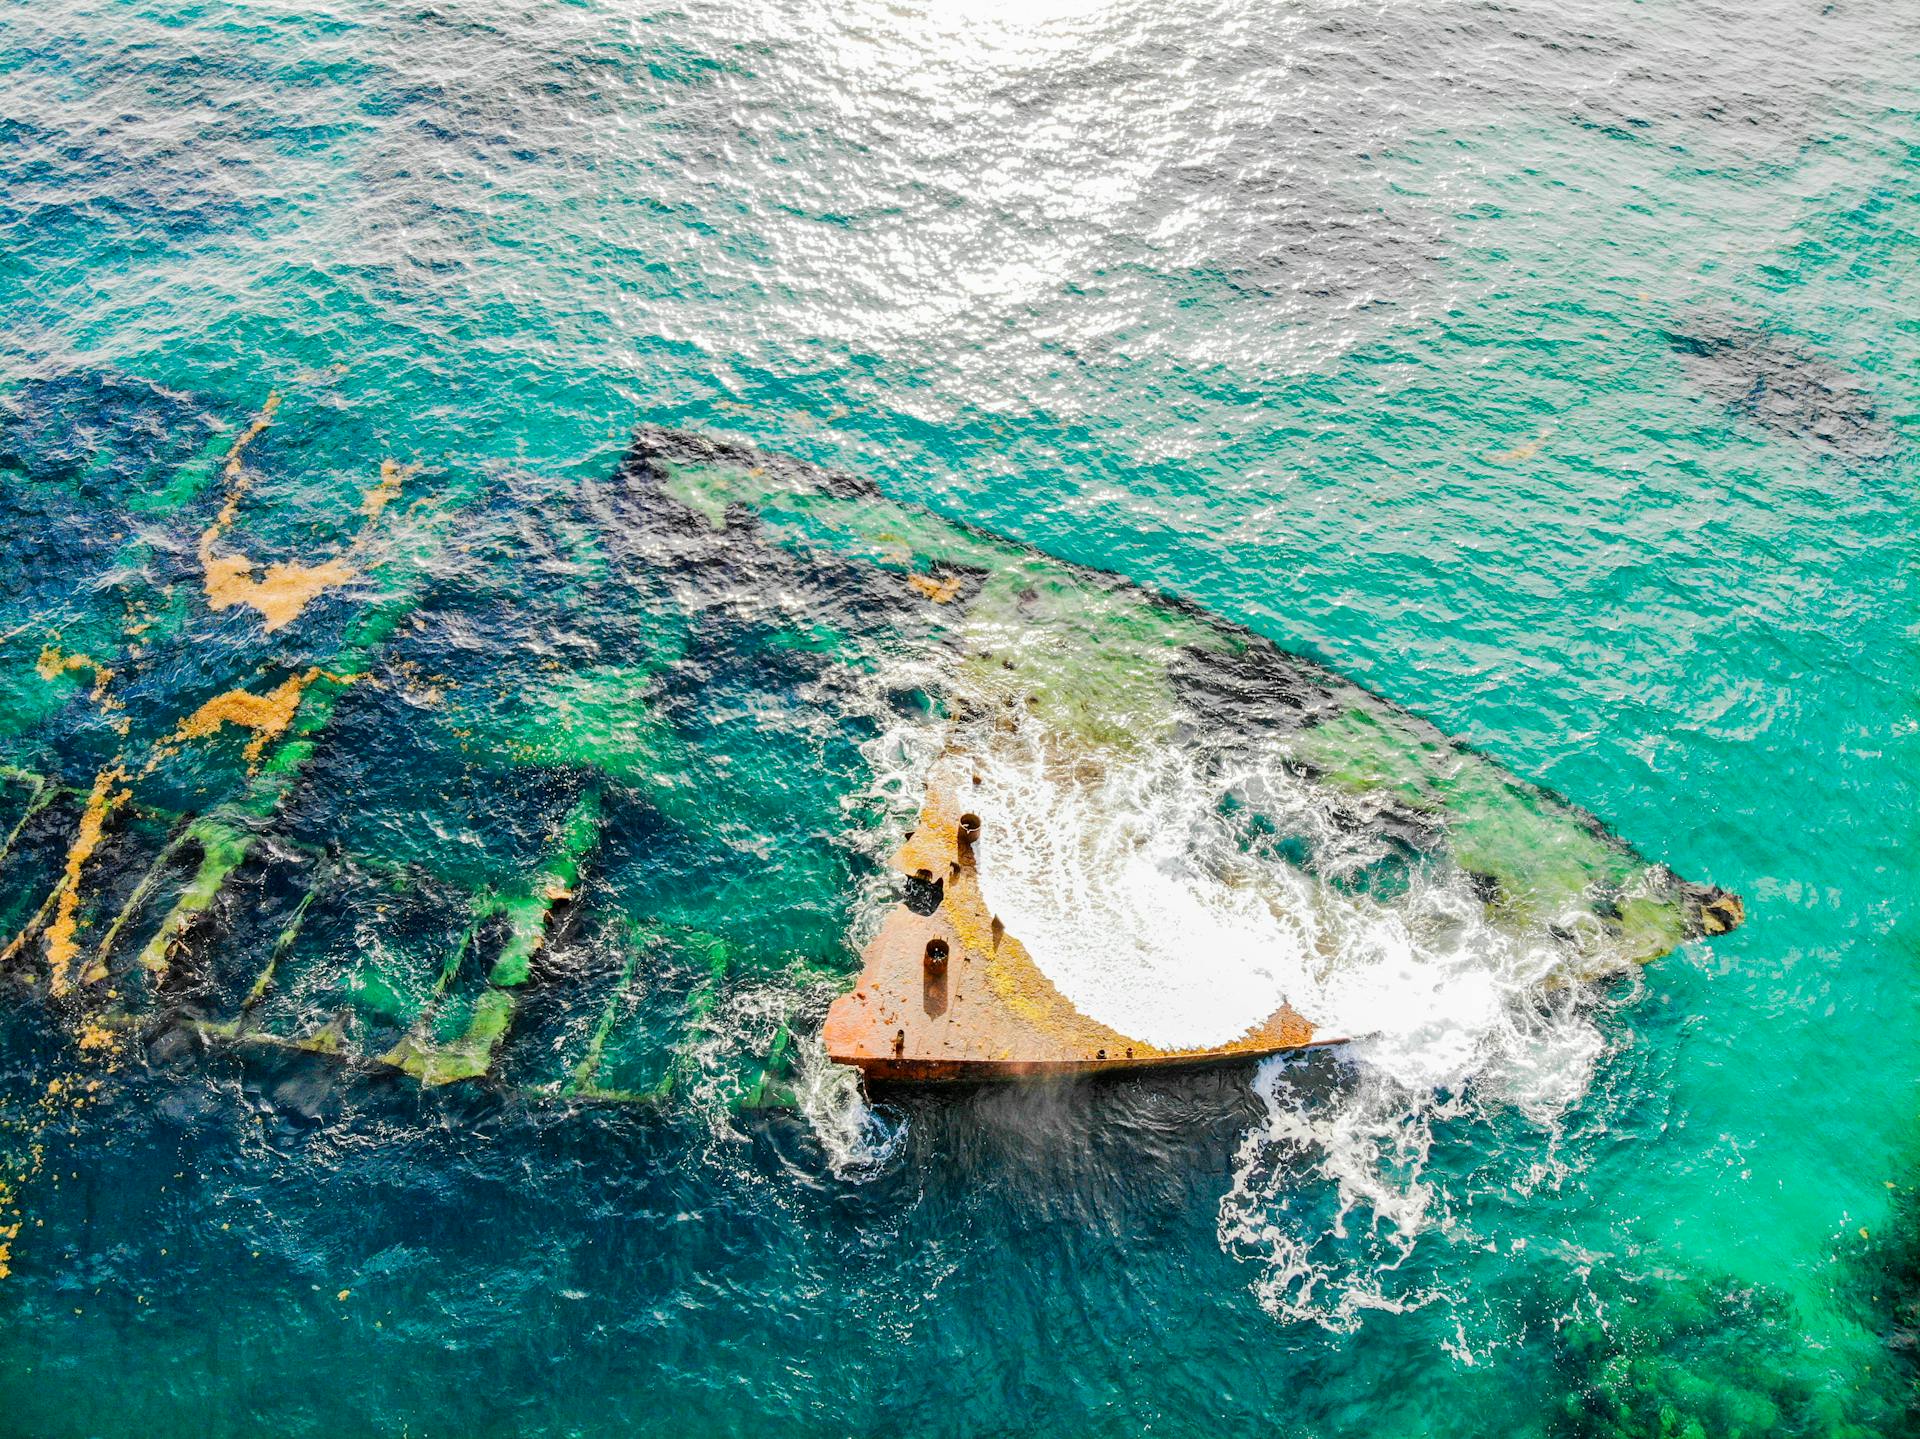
[(61, 946), (940, 590), (267, 715), (983, 1009)]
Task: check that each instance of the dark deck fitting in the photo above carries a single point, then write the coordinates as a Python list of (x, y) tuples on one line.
[(950, 995)]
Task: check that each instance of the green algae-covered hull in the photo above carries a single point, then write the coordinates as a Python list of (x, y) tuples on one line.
[(1085, 694), (475, 776)]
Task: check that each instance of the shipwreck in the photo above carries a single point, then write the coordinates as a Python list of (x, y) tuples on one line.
[(569, 788), (1319, 801)]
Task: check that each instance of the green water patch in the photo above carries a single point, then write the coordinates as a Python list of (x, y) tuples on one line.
[(513, 932), (1083, 651), (645, 1040), (1088, 658), (61, 706), (584, 968), (27, 708), (753, 852), (617, 1018), (1544, 857), (600, 717), (23, 795)]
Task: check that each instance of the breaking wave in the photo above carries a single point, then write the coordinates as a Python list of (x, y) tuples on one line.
[(1330, 1193), (859, 1138), (1134, 887)]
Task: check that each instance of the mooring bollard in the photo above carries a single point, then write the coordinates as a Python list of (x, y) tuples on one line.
[(936, 960)]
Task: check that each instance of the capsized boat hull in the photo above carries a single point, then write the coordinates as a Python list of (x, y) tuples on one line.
[(498, 810)]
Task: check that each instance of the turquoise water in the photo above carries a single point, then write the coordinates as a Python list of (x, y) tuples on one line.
[(1549, 369)]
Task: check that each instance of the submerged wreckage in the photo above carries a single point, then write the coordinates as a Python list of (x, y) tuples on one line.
[(568, 788)]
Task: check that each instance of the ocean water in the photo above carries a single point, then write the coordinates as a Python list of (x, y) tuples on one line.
[(1548, 368)]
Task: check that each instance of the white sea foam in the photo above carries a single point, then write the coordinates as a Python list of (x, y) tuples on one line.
[(1330, 1196), (858, 1137), (1102, 878), (1128, 883), (1132, 880)]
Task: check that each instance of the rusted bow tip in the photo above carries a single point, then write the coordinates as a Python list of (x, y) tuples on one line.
[(1714, 910)]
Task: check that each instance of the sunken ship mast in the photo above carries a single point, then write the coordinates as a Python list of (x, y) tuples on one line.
[(1068, 674)]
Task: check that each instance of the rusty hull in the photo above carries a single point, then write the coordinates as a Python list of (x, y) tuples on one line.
[(946, 994)]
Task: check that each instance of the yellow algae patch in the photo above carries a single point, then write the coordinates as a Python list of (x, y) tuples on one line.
[(61, 946), (267, 715), (890, 549), (10, 1210), (247, 437), (229, 578), (52, 664), (393, 474), (65, 1096), (280, 594), (1521, 452), (940, 591), (419, 687), (279, 591)]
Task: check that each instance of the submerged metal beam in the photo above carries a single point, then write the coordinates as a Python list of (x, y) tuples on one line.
[(528, 911)]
